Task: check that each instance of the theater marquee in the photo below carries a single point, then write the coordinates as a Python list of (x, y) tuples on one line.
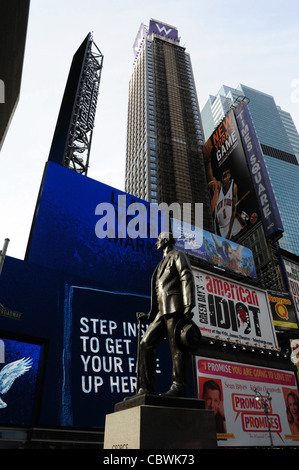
[(234, 312)]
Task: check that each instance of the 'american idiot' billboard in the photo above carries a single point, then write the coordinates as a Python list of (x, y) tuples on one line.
[(230, 311)]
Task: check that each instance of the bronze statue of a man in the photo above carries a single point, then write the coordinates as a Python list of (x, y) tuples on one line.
[(172, 300)]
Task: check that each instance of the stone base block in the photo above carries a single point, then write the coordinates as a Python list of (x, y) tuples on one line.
[(157, 427)]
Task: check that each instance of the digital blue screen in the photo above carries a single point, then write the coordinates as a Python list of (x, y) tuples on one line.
[(100, 354), (64, 235), (19, 371)]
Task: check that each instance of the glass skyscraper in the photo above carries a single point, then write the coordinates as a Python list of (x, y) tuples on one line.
[(284, 177), (279, 140), (164, 161), (274, 127)]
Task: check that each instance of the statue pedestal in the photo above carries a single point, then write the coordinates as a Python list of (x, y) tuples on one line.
[(154, 422)]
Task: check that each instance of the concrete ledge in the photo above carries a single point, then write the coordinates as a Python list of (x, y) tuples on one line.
[(157, 400)]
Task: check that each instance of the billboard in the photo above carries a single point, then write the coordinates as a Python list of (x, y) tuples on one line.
[(283, 310), (228, 388), (100, 336), (292, 272), (233, 202), (213, 249), (266, 200), (20, 364), (65, 232), (230, 311), (163, 29)]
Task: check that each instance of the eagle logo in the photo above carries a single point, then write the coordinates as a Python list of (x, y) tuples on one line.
[(9, 373)]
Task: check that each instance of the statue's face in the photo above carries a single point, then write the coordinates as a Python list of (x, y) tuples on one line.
[(161, 243)]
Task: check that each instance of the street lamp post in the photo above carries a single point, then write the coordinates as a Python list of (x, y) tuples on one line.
[(3, 253), (264, 401)]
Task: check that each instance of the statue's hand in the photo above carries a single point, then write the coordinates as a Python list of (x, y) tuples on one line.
[(142, 317), (188, 314)]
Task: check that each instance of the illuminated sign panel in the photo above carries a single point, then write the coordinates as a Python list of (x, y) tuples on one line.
[(64, 233), (283, 310), (292, 272), (241, 192), (100, 350), (231, 311), (233, 202), (240, 418), (163, 29), (213, 249), (19, 373), (264, 193)]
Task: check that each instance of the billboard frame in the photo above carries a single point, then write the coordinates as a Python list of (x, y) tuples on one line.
[(41, 371), (269, 211), (202, 309)]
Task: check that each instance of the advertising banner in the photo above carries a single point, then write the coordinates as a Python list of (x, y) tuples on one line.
[(231, 311), (292, 271), (100, 354), (213, 249), (230, 390), (71, 232), (163, 29), (19, 373), (233, 200), (267, 203), (282, 309)]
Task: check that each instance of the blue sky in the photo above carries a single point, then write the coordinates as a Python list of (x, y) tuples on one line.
[(230, 42)]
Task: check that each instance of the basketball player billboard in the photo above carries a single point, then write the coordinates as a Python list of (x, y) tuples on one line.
[(233, 200)]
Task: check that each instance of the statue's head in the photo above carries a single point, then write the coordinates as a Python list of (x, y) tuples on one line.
[(165, 239)]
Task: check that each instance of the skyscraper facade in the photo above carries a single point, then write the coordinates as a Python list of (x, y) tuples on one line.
[(274, 127), (279, 140), (164, 161)]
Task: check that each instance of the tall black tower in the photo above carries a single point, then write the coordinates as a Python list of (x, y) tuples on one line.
[(73, 133)]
